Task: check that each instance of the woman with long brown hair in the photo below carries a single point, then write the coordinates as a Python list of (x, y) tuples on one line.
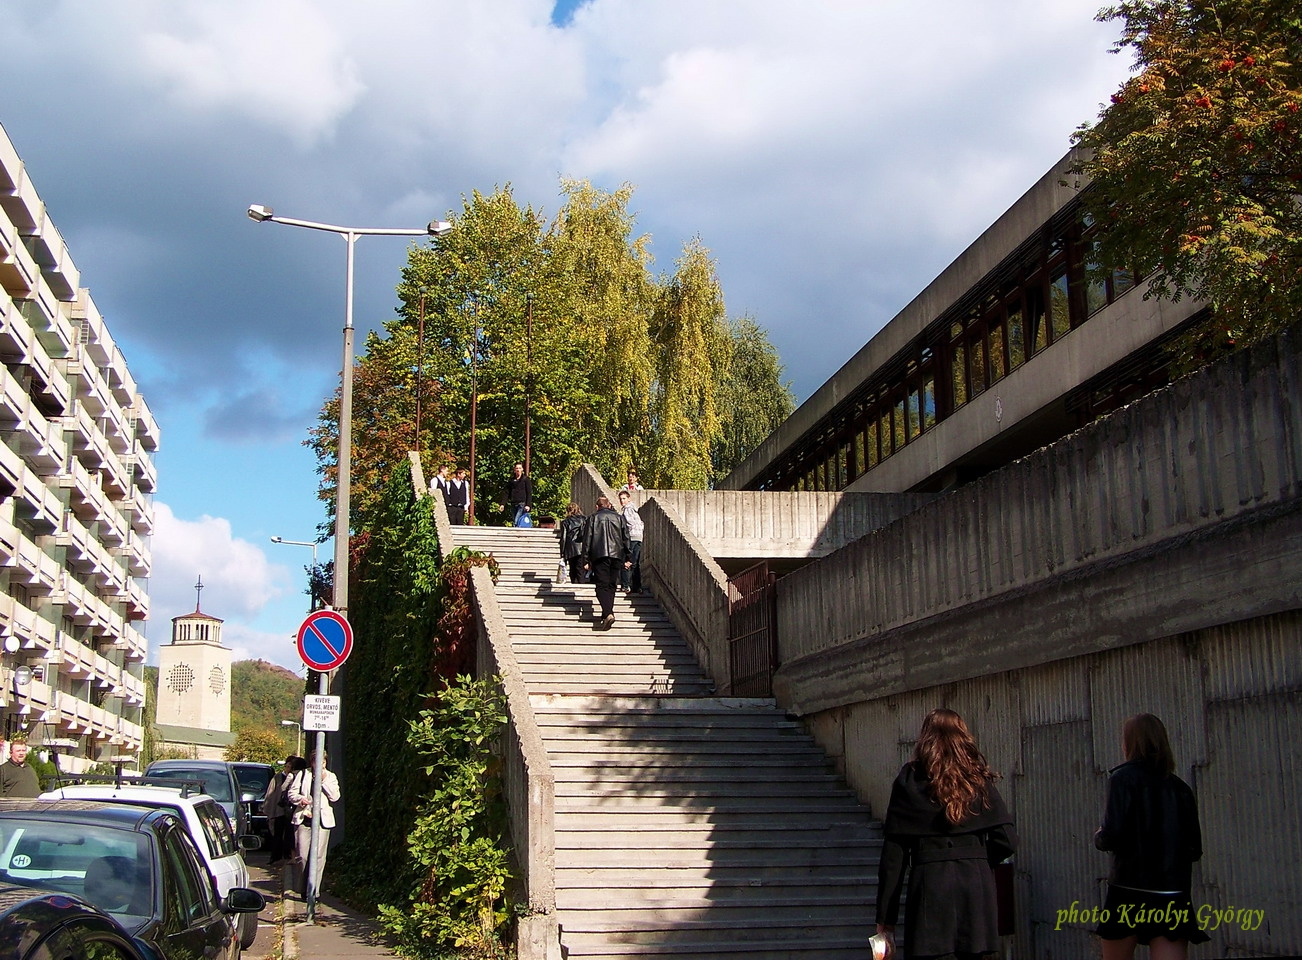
[(1151, 829), (947, 827)]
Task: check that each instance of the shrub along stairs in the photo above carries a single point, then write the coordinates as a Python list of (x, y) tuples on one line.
[(687, 825)]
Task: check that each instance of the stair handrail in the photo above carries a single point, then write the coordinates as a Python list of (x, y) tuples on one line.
[(690, 585), (527, 779), (442, 525)]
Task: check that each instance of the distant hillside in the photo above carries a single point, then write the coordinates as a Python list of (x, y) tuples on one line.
[(262, 695)]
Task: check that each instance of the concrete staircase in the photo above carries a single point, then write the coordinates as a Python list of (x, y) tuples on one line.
[(687, 825)]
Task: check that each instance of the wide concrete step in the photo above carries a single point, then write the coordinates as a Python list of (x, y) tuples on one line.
[(841, 894), (542, 664), (721, 776), (651, 802), (776, 837), (848, 817), (690, 938), (712, 754), (775, 949)]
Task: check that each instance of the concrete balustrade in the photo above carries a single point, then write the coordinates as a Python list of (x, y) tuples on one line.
[(690, 585), (527, 779)]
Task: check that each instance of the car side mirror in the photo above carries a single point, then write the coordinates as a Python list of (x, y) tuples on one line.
[(243, 900), (250, 841), (249, 797)]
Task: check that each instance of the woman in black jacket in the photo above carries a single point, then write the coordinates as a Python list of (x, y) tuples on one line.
[(572, 534), (948, 827), (1151, 829)]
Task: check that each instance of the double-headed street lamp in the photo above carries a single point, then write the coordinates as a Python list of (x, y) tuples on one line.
[(343, 482), (312, 581)]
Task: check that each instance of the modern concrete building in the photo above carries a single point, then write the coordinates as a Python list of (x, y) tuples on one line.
[(1006, 505), (76, 482), (1018, 342)]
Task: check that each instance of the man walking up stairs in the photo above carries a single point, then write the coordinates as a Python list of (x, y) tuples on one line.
[(687, 825)]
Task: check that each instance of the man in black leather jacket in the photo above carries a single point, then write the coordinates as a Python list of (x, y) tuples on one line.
[(607, 546)]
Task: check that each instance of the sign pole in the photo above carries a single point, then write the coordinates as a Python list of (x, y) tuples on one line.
[(313, 849), (325, 639)]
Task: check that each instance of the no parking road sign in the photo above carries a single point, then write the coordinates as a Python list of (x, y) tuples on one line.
[(324, 640)]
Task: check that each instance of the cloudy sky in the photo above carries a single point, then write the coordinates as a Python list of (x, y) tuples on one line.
[(834, 155)]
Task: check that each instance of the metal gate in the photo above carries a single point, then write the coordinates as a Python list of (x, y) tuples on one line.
[(752, 631)]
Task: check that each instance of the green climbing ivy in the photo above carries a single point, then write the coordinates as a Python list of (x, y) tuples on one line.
[(458, 906), (405, 786)]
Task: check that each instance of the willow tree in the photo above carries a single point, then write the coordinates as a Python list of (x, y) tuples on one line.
[(690, 336), (1196, 164), (559, 329), (604, 271), (753, 399)]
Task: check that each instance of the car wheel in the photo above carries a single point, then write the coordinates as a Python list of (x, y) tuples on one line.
[(248, 929)]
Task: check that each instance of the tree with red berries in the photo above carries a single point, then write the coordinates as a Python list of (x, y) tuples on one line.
[(1195, 164)]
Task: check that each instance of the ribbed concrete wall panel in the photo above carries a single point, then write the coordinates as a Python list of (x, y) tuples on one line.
[(1059, 806), (1250, 802), (871, 766), (1164, 678), (1254, 659), (1055, 693), (991, 707)]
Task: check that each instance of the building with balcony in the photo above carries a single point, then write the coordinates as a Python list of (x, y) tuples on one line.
[(76, 485)]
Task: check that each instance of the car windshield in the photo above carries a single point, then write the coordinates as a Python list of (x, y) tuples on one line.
[(216, 783), (253, 779), (111, 868)]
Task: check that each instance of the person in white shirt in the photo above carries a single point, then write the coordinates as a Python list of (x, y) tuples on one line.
[(300, 799), (630, 578)]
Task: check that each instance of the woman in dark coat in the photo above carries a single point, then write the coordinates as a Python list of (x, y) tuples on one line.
[(1151, 829), (572, 533), (948, 827)]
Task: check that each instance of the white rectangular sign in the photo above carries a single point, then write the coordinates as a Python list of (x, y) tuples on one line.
[(320, 713)]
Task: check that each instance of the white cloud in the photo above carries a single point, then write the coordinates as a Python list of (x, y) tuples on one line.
[(238, 580), (286, 63)]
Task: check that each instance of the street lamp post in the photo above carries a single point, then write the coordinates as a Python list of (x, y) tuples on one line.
[(298, 735), (343, 478), (311, 582), (343, 481)]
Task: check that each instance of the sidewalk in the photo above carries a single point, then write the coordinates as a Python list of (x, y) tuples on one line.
[(285, 934)]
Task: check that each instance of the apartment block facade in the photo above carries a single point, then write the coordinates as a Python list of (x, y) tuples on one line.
[(77, 478)]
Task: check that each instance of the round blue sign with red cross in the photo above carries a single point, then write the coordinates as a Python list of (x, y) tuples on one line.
[(325, 640)]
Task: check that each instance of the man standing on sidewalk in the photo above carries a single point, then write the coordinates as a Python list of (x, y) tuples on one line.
[(607, 546), (17, 779)]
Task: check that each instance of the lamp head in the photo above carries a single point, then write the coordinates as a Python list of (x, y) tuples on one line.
[(277, 539), (260, 212), (436, 228)]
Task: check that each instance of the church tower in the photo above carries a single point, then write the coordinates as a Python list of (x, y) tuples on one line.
[(194, 674)]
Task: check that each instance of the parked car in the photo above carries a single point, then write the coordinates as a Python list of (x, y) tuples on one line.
[(218, 781), (205, 820), (55, 926), (253, 779), (138, 864)]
